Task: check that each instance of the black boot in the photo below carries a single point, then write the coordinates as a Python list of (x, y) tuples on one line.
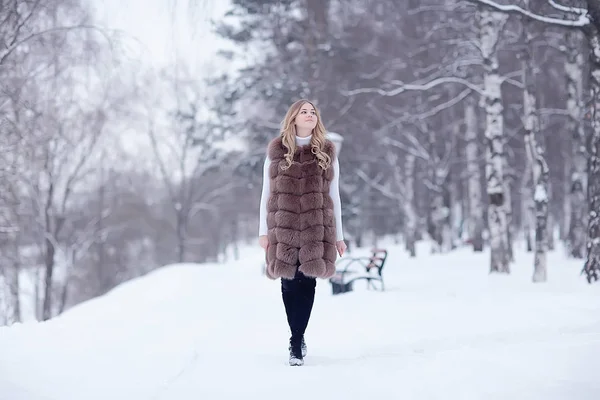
[(296, 358), (303, 347), (293, 354)]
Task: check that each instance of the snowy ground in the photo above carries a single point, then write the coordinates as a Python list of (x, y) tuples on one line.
[(444, 329)]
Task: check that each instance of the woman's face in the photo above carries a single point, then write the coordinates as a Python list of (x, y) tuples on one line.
[(307, 117)]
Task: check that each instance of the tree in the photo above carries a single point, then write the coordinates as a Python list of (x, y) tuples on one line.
[(535, 155), (186, 151), (587, 20), (577, 174)]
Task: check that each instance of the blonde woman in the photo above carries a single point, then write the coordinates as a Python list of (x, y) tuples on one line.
[(300, 215)]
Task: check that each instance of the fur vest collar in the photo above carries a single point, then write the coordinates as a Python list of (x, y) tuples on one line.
[(300, 217)]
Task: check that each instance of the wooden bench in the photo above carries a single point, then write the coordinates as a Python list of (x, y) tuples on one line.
[(344, 278)]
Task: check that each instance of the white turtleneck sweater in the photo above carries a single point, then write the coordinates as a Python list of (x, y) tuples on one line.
[(334, 192)]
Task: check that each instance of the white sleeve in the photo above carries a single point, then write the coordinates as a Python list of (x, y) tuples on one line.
[(262, 222), (334, 192)]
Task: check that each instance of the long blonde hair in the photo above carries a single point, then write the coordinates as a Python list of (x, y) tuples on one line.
[(317, 141)]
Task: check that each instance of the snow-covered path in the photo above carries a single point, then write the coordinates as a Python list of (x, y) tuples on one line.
[(444, 329)]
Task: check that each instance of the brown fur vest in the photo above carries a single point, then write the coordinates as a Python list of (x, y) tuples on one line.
[(300, 217)]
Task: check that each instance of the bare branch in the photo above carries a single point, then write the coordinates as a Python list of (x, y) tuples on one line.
[(582, 21), (514, 83), (15, 45), (442, 8), (382, 189), (161, 165), (343, 111), (570, 9), (403, 87), (440, 107), (415, 152)]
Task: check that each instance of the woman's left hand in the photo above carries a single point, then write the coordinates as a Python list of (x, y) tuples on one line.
[(340, 245)]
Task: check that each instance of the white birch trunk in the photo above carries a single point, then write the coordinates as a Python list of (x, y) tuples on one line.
[(456, 209), (14, 287), (551, 225), (408, 203), (491, 24), (540, 196), (578, 175), (566, 204), (592, 264), (508, 177), (539, 170), (528, 208), (475, 202), (438, 214), (536, 161), (5, 309)]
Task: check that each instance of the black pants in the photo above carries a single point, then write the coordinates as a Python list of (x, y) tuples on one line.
[(298, 297)]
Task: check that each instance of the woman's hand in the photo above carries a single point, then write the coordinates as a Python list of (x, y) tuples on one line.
[(340, 245), (263, 241)]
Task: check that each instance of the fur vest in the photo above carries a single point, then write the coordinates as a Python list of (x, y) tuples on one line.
[(300, 217)]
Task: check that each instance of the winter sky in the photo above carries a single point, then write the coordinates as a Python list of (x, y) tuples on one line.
[(166, 29), (161, 33)]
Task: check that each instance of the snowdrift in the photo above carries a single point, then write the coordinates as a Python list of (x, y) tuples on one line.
[(443, 329)]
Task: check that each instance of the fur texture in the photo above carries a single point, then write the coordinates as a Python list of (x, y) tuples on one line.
[(300, 217)]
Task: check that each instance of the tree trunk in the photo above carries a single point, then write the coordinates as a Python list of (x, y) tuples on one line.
[(48, 284), (317, 35), (9, 276), (491, 24), (566, 190), (437, 211), (408, 204), (456, 210), (10, 307), (235, 235), (180, 232), (49, 251), (592, 264), (551, 221), (578, 180), (474, 177), (15, 290), (536, 160), (540, 181), (541, 216), (527, 204), (104, 282), (508, 178)]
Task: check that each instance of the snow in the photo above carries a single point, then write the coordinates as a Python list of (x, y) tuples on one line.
[(443, 329), (540, 193)]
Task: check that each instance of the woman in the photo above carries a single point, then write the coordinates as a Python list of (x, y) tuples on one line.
[(300, 215)]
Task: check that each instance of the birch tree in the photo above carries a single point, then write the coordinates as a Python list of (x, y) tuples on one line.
[(536, 161), (535, 155), (491, 24), (592, 263), (439, 163), (588, 21), (592, 31), (576, 211), (475, 203), (410, 230)]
